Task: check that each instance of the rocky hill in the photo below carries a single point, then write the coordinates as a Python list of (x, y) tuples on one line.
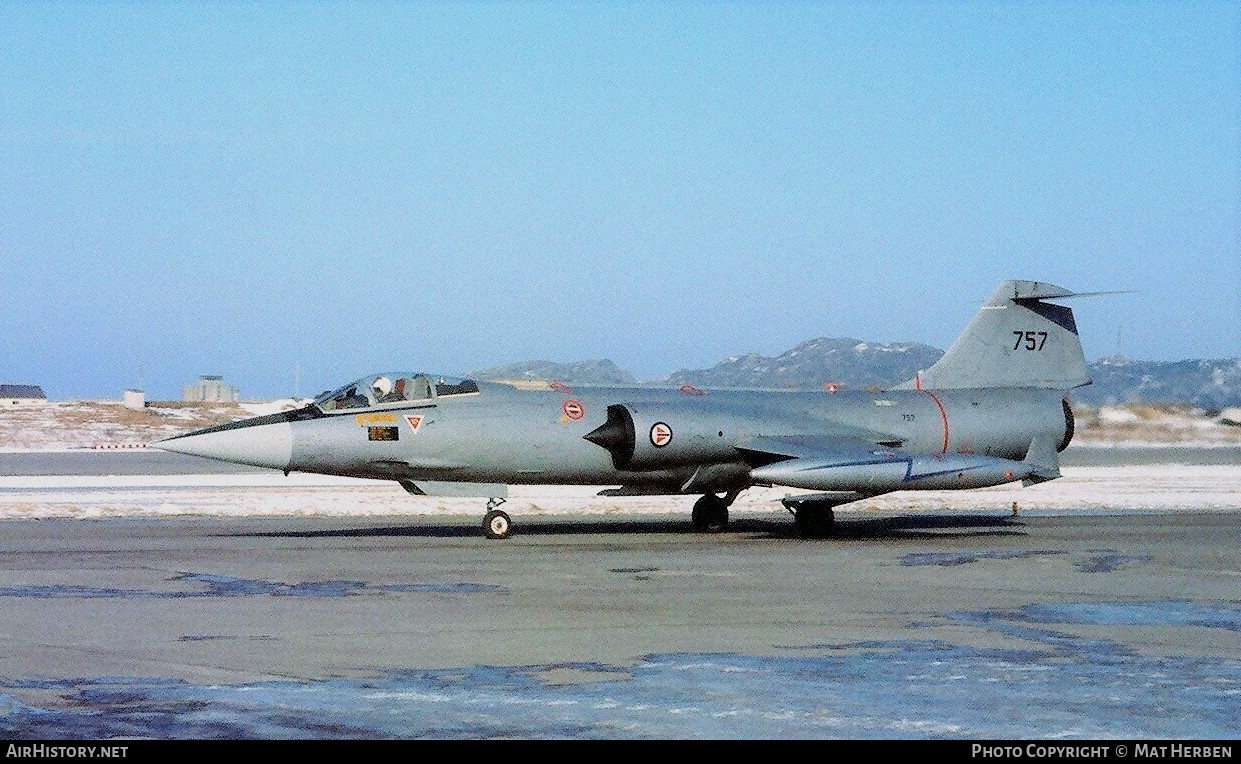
[(1209, 384), (815, 363), (851, 363), (601, 372)]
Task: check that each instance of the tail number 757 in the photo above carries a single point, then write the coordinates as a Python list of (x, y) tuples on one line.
[(1031, 340)]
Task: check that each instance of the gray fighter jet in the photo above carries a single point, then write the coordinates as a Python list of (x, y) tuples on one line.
[(992, 410)]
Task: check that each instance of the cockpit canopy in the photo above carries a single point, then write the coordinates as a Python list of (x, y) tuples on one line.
[(393, 389)]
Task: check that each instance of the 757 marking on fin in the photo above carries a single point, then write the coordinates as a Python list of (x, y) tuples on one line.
[(1031, 340)]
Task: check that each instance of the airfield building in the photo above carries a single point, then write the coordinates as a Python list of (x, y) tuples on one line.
[(209, 389), (17, 395)]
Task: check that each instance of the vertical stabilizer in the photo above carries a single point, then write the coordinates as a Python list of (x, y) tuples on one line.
[(1017, 339)]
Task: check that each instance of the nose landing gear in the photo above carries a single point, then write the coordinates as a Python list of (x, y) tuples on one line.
[(496, 523)]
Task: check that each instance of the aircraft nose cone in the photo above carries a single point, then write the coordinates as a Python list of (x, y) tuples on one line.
[(260, 445)]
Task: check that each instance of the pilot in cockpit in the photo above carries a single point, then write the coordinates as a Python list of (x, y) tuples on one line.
[(387, 391), (383, 390)]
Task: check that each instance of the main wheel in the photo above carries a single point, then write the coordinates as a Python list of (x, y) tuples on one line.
[(710, 514), (814, 523), (497, 525)]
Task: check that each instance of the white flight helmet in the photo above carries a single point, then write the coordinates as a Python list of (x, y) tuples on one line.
[(382, 386)]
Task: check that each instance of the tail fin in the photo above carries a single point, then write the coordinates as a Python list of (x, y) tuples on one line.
[(1015, 340)]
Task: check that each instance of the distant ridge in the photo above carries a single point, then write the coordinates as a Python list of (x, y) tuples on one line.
[(815, 363), (852, 363), (600, 372), (1213, 384)]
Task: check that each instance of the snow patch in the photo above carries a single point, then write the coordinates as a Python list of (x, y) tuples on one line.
[(1081, 490), (275, 407), (1112, 415)]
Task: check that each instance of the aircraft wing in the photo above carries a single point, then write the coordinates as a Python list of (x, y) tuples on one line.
[(764, 450)]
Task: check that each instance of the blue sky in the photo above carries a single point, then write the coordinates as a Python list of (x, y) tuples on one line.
[(295, 194)]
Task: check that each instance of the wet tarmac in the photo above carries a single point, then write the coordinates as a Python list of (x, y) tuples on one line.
[(912, 626)]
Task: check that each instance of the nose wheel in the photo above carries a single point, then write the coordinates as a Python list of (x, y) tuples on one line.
[(496, 523)]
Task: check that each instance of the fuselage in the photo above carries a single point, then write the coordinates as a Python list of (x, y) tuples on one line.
[(500, 433)]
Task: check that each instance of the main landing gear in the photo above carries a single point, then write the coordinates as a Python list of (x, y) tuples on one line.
[(711, 512), (496, 524), (814, 519), (814, 523)]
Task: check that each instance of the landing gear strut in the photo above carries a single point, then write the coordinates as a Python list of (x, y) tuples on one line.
[(814, 518), (496, 524), (711, 512)]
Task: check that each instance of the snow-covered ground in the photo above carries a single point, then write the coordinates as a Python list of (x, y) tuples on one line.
[(62, 425), (1166, 487), (1148, 425)]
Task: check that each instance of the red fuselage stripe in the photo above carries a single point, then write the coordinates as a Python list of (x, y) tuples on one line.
[(943, 415)]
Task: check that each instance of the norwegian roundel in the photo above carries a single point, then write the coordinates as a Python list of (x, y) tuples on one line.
[(573, 409), (661, 435)]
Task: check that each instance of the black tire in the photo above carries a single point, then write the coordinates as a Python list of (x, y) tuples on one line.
[(814, 523), (710, 514), (497, 525)]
